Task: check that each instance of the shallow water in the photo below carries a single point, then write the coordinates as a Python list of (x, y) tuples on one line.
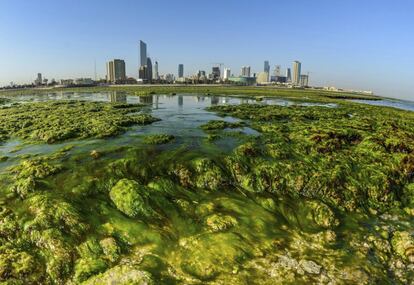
[(399, 104), (181, 115)]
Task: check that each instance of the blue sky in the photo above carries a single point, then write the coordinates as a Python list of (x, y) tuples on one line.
[(351, 44)]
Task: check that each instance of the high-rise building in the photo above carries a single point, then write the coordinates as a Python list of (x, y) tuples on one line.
[(245, 71), (115, 71), (156, 75), (296, 72), (288, 75), (142, 72), (216, 73), (149, 69), (180, 70), (227, 73), (38, 80), (277, 70), (143, 53), (266, 66), (304, 80)]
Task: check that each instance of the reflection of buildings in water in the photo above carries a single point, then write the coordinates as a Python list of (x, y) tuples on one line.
[(225, 100), (156, 101), (180, 100), (244, 101), (215, 100), (117, 98), (146, 99), (200, 98)]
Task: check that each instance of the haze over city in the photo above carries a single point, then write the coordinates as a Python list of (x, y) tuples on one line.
[(353, 44)]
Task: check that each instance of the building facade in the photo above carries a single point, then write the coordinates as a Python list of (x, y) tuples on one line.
[(296, 72), (156, 75), (245, 71), (115, 71), (180, 70), (304, 80), (288, 75), (216, 73), (227, 73)]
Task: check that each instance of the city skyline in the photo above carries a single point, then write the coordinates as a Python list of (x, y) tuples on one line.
[(370, 52)]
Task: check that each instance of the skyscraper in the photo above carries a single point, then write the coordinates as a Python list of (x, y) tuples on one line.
[(115, 71), (296, 72), (288, 76), (143, 53), (156, 75), (180, 70), (216, 73), (267, 69), (143, 60), (245, 72), (227, 73), (266, 66), (149, 69)]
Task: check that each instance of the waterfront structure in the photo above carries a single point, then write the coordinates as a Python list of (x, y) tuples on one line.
[(296, 72), (242, 80), (156, 75), (262, 77), (216, 73), (304, 80), (115, 71), (245, 71), (288, 76), (227, 73), (180, 70)]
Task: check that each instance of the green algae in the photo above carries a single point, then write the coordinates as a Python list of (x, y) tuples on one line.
[(318, 197), (52, 122), (220, 125), (158, 139)]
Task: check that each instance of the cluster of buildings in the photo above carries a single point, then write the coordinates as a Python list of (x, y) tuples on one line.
[(148, 73)]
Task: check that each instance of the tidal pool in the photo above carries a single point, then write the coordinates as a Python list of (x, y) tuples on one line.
[(220, 190)]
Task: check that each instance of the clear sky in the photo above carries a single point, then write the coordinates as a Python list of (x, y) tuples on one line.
[(359, 44)]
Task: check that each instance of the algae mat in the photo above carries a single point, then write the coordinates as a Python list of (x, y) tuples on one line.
[(320, 196)]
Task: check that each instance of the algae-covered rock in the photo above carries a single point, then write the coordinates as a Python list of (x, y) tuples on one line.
[(52, 122), (403, 244), (131, 198), (208, 174), (158, 139), (19, 267), (321, 214), (110, 249), (85, 268), (121, 275), (218, 223), (207, 256)]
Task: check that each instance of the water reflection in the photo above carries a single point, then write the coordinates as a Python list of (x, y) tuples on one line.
[(146, 99), (115, 97), (215, 100), (180, 100)]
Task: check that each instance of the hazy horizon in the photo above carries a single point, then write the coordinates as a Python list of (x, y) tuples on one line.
[(353, 44)]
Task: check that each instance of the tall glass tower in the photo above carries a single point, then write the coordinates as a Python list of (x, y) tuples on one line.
[(143, 53), (296, 72)]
